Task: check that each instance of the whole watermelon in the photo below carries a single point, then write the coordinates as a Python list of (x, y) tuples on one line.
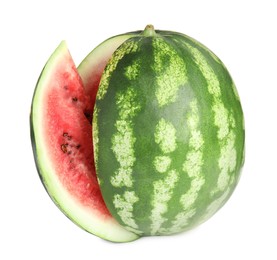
[(168, 133)]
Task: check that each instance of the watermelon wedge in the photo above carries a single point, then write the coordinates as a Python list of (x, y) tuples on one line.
[(62, 141)]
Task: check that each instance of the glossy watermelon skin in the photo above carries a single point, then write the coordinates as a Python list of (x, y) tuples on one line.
[(168, 133)]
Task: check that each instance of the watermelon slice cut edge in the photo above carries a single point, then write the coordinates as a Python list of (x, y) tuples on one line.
[(61, 134)]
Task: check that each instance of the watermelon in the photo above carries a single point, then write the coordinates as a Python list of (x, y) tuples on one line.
[(145, 138), (168, 133), (62, 144)]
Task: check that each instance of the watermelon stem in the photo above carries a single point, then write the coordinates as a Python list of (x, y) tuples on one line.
[(149, 30)]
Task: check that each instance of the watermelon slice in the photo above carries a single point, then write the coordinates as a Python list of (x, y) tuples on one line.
[(61, 134)]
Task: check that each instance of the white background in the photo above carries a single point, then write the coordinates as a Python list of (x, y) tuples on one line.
[(241, 33)]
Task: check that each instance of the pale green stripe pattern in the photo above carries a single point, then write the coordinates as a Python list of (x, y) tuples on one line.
[(165, 137), (224, 121), (170, 79), (193, 168), (163, 191), (124, 203), (123, 147), (126, 48), (123, 140)]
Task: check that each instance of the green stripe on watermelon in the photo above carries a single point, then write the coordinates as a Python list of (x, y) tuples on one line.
[(170, 164), (62, 141)]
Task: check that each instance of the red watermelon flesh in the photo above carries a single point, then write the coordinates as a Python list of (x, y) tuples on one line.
[(68, 132)]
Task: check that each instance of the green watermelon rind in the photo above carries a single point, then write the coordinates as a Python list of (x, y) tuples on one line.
[(136, 112)]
